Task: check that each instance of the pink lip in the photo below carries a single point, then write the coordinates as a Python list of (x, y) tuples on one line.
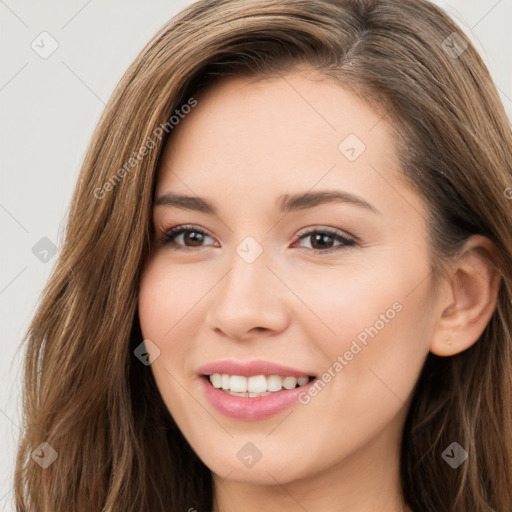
[(252, 409), (250, 368)]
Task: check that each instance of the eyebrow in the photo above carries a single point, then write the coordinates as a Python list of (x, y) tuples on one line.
[(286, 203)]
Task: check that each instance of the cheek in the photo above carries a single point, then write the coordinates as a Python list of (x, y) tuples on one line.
[(150, 302), (372, 324), (165, 297), (371, 365), (160, 310), (344, 301), (170, 315)]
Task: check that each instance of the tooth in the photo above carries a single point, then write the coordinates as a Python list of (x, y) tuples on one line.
[(216, 380), (235, 394), (257, 384), (238, 384), (274, 383), (289, 382), (225, 381)]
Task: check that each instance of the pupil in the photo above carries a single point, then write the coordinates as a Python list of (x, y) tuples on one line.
[(194, 237), (319, 237)]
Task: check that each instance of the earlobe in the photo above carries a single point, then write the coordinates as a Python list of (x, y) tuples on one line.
[(469, 299)]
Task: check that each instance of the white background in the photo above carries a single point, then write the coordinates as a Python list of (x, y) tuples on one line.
[(49, 110)]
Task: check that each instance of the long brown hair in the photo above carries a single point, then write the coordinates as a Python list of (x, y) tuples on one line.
[(88, 396)]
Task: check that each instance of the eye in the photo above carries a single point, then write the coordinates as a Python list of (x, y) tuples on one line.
[(322, 239), (193, 235)]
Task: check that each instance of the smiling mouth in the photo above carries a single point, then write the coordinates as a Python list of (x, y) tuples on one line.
[(256, 385)]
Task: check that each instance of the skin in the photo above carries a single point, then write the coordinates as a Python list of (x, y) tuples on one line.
[(241, 147)]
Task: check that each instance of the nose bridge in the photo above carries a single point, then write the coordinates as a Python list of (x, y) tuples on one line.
[(246, 297), (248, 278)]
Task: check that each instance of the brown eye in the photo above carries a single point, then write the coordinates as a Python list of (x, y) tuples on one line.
[(322, 240), (192, 237)]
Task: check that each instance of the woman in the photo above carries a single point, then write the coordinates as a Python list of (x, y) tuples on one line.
[(190, 352)]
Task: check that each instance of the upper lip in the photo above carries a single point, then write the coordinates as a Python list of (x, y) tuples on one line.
[(251, 368)]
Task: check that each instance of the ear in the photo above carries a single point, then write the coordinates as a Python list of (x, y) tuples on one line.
[(468, 298)]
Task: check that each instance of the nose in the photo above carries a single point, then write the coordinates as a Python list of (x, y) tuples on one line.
[(249, 299)]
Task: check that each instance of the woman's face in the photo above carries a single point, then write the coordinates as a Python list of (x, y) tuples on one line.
[(256, 281)]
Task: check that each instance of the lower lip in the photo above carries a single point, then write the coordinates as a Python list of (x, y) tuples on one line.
[(255, 408)]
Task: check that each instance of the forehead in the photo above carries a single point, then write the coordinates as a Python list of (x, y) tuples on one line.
[(281, 135)]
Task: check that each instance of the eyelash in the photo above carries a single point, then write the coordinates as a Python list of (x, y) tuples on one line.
[(168, 237)]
